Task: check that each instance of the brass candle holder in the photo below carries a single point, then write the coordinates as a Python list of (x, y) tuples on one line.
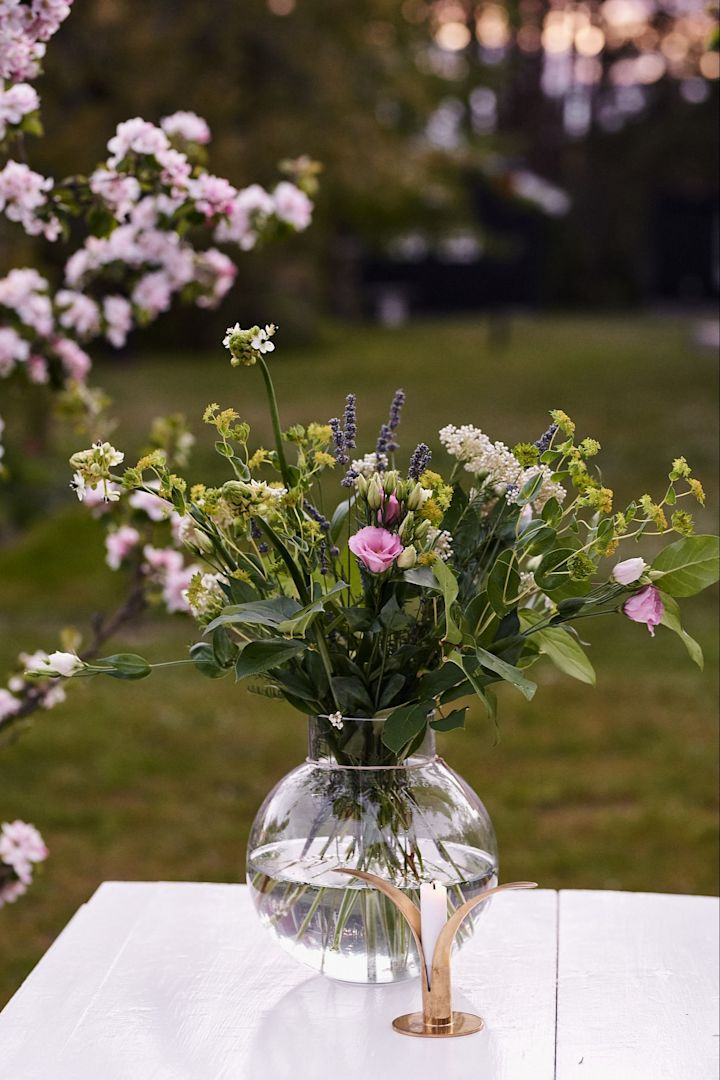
[(437, 1019)]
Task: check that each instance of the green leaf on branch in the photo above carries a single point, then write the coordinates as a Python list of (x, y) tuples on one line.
[(453, 720), (503, 584), (260, 656), (485, 695), (508, 672), (422, 576), (688, 566), (339, 517), (302, 619), (352, 696), (405, 724), (203, 657), (560, 647), (257, 613), (552, 571), (448, 584), (124, 666), (671, 619)]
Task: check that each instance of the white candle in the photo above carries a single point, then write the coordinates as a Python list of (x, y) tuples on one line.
[(433, 916)]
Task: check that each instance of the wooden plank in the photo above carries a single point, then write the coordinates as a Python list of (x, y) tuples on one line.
[(190, 987), (637, 987)]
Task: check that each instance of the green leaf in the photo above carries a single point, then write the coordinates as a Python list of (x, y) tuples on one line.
[(503, 584), (303, 618), (560, 647), (487, 698), (530, 489), (224, 648), (688, 566), (454, 719), (508, 672), (391, 689), (352, 696), (404, 724), (125, 666), (671, 619), (260, 656), (392, 615), (422, 576), (552, 571), (257, 613), (338, 519), (448, 584), (203, 657)]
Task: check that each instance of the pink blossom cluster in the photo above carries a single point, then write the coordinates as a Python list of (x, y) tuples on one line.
[(21, 848), (24, 30), (166, 567), (24, 199), (132, 274), (16, 102)]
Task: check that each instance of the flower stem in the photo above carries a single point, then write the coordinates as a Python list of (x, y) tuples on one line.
[(275, 417)]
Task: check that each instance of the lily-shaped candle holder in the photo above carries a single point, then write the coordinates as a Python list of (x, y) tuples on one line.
[(437, 1019)]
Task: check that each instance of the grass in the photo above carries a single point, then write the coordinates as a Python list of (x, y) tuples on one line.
[(608, 788)]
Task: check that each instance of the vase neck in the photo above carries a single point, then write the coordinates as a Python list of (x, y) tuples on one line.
[(357, 742)]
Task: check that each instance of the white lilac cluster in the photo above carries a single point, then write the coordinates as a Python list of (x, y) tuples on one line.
[(24, 30), (21, 849), (441, 543), (144, 249), (496, 466), (16, 102), (369, 465)]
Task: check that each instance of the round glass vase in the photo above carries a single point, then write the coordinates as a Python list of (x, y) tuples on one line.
[(351, 804)]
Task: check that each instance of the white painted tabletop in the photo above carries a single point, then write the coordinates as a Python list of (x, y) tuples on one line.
[(178, 981)]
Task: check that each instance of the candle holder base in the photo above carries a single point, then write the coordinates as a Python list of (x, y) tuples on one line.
[(462, 1023)]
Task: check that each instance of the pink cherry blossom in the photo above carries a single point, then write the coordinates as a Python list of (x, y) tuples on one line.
[(152, 505), (75, 361), (119, 544), (645, 606), (152, 293), (188, 126), (292, 205), (117, 312), (13, 349), (376, 548), (9, 704)]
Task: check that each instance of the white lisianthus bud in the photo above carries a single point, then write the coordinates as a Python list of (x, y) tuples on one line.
[(415, 498), (57, 663), (374, 495), (407, 526), (389, 483), (407, 558), (628, 571), (361, 485)]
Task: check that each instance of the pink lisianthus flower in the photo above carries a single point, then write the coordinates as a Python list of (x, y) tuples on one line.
[(645, 606), (376, 548), (389, 511)]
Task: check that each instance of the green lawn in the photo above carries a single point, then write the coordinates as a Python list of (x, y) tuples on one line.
[(607, 788)]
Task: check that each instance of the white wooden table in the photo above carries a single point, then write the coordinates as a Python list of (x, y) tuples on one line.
[(175, 981)]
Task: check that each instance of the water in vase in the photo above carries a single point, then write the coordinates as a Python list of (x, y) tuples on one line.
[(344, 928)]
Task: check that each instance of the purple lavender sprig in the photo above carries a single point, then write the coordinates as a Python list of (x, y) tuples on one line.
[(546, 438), (394, 420), (350, 421), (419, 461), (314, 513), (338, 437)]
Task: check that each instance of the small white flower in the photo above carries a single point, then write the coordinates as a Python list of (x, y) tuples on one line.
[(229, 333), (261, 342), (78, 485), (336, 720)]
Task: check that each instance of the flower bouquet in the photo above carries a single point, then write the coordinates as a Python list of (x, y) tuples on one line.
[(374, 596)]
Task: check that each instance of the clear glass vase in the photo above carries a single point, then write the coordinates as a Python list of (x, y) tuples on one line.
[(351, 804)]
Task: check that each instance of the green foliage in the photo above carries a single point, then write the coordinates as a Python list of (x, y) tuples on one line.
[(688, 566)]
